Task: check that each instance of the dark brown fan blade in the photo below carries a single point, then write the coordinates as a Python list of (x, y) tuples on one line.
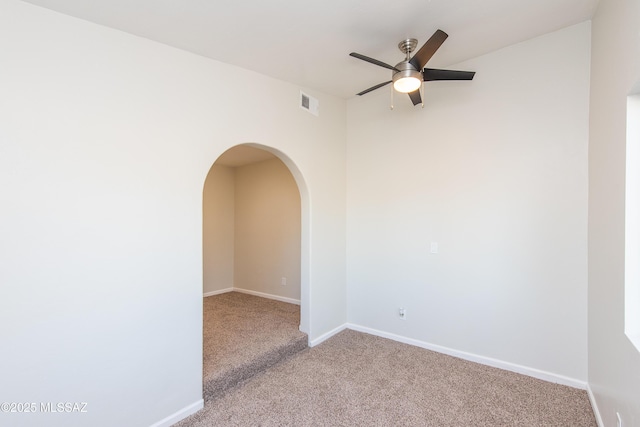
[(415, 97), (373, 88), (431, 74), (427, 50), (373, 61)]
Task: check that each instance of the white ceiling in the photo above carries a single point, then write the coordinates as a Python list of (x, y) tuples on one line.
[(242, 155), (308, 43)]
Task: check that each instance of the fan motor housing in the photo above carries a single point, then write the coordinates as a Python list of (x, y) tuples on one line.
[(405, 69)]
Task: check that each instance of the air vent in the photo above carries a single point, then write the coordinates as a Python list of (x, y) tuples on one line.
[(309, 103)]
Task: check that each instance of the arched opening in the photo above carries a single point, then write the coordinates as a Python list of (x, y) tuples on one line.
[(255, 261), (251, 211)]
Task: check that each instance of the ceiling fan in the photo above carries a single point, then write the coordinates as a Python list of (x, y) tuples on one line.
[(407, 76)]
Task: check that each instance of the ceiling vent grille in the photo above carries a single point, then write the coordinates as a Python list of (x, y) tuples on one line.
[(309, 103)]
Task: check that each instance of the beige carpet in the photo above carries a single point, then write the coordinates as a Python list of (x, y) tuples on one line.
[(244, 335), (355, 379)]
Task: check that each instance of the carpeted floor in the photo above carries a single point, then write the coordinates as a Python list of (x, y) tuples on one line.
[(355, 379), (244, 335)]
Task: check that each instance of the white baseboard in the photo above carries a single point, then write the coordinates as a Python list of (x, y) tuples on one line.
[(269, 296), (255, 293), (594, 406), (507, 366), (327, 335), (180, 415), (221, 291)]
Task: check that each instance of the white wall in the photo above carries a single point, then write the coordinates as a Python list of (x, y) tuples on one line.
[(218, 225), (105, 143), (614, 364), (267, 230), (495, 172)]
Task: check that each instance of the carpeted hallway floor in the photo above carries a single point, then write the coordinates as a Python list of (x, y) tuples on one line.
[(244, 335), (355, 379)]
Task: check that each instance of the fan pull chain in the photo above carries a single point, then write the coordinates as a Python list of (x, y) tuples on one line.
[(391, 105), (422, 93)]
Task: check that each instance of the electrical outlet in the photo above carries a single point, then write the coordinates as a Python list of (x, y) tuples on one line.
[(283, 282), (402, 313)]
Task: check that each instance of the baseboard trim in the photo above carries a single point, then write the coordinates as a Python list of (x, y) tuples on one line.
[(180, 415), (327, 335), (507, 366), (221, 291), (269, 296), (254, 293), (594, 406)]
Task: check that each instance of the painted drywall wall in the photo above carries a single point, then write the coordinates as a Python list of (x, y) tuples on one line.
[(105, 143), (252, 223), (494, 172), (218, 211), (614, 364), (267, 230)]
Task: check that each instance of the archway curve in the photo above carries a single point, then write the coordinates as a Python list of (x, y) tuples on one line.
[(304, 226)]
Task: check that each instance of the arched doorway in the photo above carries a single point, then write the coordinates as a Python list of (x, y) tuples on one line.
[(254, 220), (282, 277), (305, 305)]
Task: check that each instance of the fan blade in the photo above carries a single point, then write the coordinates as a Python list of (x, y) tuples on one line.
[(427, 50), (373, 61), (431, 74), (373, 88), (415, 97)]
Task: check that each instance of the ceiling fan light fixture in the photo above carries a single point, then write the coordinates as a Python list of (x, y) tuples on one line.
[(406, 81), (407, 84), (407, 76)]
